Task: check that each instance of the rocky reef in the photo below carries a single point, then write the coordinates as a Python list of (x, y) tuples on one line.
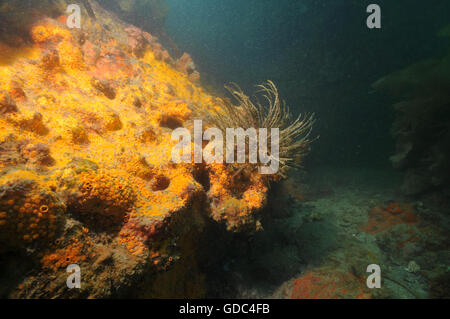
[(422, 125), (86, 175)]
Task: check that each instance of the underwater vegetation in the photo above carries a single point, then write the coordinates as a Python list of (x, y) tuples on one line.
[(421, 131), (422, 126), (86, 175), (293, 134)]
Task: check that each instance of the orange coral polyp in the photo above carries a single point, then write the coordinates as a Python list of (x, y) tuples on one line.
[(43, 209)]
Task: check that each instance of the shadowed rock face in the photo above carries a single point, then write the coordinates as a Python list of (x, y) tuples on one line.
[(86, 175), (422, 126)]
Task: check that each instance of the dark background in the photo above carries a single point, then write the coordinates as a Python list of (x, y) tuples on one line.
[(322, 57)]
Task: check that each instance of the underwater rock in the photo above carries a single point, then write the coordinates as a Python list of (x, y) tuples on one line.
[(421, 128), (413, 267), (385, 216), (319, 284), (7, 105), (186, 65), (86, 175), (30, 213), (105, 87), (38, 154), (136, 40)]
